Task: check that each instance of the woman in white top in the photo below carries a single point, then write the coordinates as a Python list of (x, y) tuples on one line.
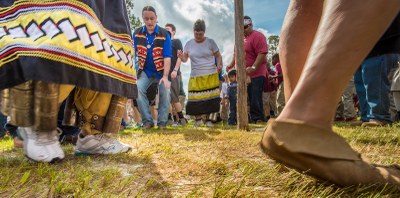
[(206, 62)]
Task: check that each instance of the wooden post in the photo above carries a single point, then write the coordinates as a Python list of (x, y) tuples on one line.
[(242, 117)]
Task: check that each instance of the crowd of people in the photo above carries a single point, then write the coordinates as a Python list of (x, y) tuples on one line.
[(156, 96)]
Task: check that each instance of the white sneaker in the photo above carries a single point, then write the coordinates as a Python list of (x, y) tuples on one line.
[(209, 124), (42, 146), (175, 124), (99, 144)]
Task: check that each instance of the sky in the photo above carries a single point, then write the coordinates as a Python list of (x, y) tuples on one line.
[(267, 17)]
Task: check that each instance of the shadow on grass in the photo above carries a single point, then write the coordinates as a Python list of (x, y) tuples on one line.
[(190, 134), (194, 133), (125, 175), (326, 189)]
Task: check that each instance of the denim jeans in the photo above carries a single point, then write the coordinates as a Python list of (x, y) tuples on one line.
[(255, 91), (143, 84), (373, 87), (232, 95)]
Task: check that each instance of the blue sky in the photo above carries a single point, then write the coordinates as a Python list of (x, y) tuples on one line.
[(266, 14)]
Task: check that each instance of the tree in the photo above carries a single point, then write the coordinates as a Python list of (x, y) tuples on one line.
[(134, 21), (273, 44)]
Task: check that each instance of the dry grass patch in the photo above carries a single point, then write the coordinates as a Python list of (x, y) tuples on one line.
[(187, 162)]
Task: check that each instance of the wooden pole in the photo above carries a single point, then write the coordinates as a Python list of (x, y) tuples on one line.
[(242, 116)]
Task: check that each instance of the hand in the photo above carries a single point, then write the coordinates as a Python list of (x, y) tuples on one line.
[(219, 68), (272, 76), (174, 73), (167, 83), (248, 80), (250, 70), (179, 54)]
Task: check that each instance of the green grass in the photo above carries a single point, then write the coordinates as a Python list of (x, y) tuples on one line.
[(187, 162)]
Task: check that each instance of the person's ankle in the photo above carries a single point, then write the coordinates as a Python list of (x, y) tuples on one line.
[(305, 120)]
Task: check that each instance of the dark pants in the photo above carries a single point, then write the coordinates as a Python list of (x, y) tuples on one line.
[(66, 130), (3, 121), (232, 94), (255, 91)]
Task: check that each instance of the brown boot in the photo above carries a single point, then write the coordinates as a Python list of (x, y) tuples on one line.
[(323, 154)]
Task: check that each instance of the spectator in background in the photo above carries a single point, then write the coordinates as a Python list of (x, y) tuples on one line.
[(154, 50), (256, 49), (204, 91), (280, 93), (224, 109), (232, 96), (395, 89), (269, 93), (346, 111), (371, 79), (175, 74)]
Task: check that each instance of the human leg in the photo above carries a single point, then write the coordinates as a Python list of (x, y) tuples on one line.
[(319, 64), (163, 106), (361, 94), (280, 99), (232, 93), (311, 107), (348, 102), (42, 144), (267, 108), (143, 103), (255, 94), (176, 105), (378, 86), (298, 31), (101, 116), (272, 103)]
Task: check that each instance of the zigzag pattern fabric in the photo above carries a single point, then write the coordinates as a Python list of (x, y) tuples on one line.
[(84, 43)]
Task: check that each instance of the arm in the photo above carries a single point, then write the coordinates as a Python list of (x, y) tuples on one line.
[(164, 79), (178, 61), (233, 62), (261, 57), (218, 56), (184, 56), (177, 66), (167, 53)]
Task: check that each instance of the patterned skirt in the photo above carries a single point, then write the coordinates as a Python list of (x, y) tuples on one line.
[(203, 95), (83, 43)]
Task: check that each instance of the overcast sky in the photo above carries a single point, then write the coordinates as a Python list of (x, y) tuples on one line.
[(267, 16)]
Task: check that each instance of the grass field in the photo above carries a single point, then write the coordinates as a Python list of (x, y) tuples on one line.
[(188, 162)]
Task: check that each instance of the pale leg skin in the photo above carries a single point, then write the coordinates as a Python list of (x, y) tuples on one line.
[(298, 31), (347, 32)]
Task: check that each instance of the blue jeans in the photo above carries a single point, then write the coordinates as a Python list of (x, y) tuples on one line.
[(143, 84), (255, 91), (373, 87)]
